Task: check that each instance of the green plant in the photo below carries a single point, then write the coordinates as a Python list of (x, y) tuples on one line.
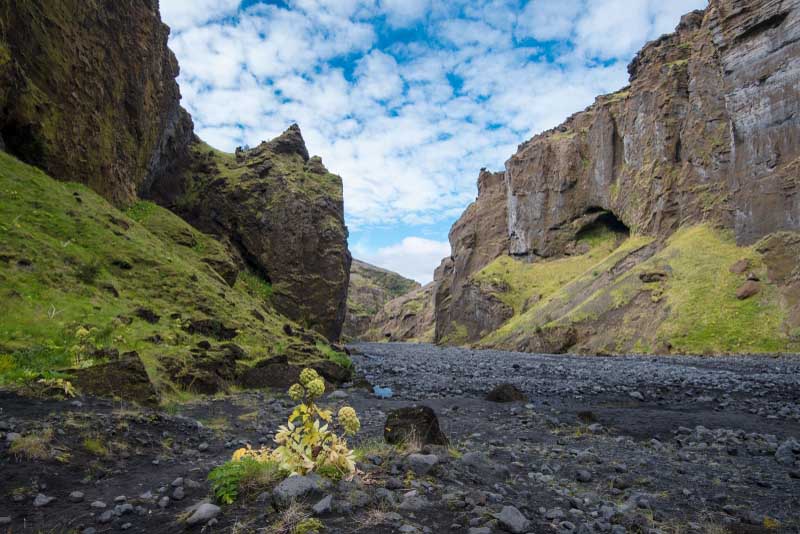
[(339, 358), (95, 447), (309, 526)]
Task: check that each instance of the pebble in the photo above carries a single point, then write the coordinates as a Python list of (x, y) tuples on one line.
[(203, 513), (42, 500), (76, 496)]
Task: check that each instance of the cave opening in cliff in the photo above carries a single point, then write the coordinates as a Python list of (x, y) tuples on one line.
[(21, 141), (603, 220)]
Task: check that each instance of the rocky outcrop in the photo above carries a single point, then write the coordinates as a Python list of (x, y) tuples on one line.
[(410, 317), (282, 213), (370, 288), (707, 132), (478, 237), (88, 93)]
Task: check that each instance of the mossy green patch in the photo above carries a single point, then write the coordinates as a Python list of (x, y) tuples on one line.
[(70, 262), (705, 315), (700, 313)]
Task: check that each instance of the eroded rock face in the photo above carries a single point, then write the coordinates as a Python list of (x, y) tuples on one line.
[(707, 131), (407, 318), (370, 288), (478, 237), (282, 212), (88, 93)]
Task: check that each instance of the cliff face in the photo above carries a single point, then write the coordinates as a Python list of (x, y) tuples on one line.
[(282, 213), (707, 133), (409, 317), (370, 288), (479, 236), (88, 93)]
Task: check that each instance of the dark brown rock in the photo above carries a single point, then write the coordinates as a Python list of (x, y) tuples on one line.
[(125, 378), (413, 424), (653, 276), (213, 328), (506, 393), (741, 266), (147, 315), (206, 371), (284, 219), (89, 93), (748, 289)]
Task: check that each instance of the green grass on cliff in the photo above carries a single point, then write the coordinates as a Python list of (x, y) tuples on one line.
[(70, 260), (540, 281), (693, 311)]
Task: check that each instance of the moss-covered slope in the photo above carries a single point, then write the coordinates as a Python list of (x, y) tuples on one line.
[(81, 282), (370, 288), (686, 295)]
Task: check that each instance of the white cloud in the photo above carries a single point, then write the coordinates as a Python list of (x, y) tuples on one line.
[(412, 257), (408, 124), (182, 14)]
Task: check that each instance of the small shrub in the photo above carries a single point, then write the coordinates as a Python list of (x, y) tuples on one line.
[(95, 447), (88, 272), (308, 526), (33, 446), (305, 444), (339, 358)]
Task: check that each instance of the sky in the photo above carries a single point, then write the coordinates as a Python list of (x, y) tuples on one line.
[(406, 100)]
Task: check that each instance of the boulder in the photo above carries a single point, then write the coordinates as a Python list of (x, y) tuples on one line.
[(413, 424), (506, 393), (513, 520), (124, 379), (297, 487), (748, 289)]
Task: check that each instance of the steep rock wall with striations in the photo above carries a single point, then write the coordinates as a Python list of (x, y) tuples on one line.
[(282, 213), (707, 132), (88, 93), (479, 236)]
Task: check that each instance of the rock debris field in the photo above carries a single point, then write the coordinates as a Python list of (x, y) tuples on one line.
[(618, 444)]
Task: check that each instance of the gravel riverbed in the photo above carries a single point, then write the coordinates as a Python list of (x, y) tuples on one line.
[(632, 444)]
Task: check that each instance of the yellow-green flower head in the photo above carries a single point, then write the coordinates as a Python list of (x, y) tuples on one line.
[(316, 387), (349, 420), (307, 375), (296, 392), (81, 333)]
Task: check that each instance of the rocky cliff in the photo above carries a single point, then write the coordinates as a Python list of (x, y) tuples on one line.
[(282, 214), (370, 288), (705, 137), (409, 317), (88, 93)]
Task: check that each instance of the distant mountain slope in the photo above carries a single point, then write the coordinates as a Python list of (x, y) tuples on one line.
[(370, 288)]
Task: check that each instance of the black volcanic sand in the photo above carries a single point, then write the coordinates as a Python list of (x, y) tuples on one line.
[(633, 444)]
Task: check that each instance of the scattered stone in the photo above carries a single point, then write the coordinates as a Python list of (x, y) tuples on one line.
[(582, 475), (748, 289), (98, 504), (204, 513), (422, 464), (299, 487), (42, 500), (636, 395), (76, 496), (323, 506), (179, 493), (513, 520)]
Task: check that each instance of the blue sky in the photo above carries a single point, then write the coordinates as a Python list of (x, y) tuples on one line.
[(405, 99)]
